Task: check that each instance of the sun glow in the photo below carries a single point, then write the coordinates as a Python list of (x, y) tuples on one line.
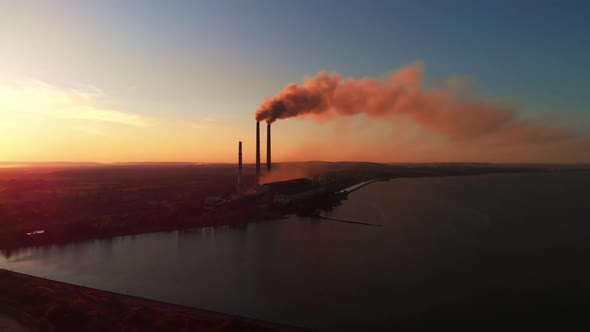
[(43, 122), (49, 101)]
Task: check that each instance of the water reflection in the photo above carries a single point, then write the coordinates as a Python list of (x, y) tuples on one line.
[(443, 239)]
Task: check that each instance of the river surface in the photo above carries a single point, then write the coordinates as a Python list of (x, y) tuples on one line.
[(444, 241)]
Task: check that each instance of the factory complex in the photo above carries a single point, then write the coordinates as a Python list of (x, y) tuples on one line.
[(292, 193)]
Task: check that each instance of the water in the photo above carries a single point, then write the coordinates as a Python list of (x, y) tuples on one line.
[(446, 241)]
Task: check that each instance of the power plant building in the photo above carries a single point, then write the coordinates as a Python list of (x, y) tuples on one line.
[(282, 192), (287, 192)]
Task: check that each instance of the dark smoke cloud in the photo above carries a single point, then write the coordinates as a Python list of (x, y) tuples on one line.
[(439, 110)]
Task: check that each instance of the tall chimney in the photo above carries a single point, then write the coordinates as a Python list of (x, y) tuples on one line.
[(257, 150), (240, 156), (268, 160), (239, 168)]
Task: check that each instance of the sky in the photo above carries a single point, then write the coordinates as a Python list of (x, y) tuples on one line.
[(116, 81)]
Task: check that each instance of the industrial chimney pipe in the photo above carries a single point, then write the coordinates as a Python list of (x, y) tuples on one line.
[(239, 168), (240, 156), (268, 160), (257, 150)]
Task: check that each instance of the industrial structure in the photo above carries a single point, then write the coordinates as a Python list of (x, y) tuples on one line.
[(268, 162), (281, 196), (239, 168), (268, 150), (289, 192), (282, 193), (257, 151)]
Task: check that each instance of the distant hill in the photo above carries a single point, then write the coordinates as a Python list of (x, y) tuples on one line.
[(294, 164), (65, 164), (7, 164), (155, 163)]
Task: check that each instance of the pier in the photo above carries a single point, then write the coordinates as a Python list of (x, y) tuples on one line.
[(351, 221)]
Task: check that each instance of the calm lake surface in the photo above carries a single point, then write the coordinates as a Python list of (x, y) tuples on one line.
[(444, 242)]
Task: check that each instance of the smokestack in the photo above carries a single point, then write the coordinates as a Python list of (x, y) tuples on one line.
[(257, 150), (239, 168), (240, 156), (268, 160)]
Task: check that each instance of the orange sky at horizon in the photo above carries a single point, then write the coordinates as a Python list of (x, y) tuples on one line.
[(42, 123)]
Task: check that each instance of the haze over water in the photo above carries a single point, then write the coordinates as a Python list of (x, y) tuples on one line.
[(445, 242)]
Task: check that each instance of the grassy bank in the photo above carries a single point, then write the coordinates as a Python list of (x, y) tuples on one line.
[(45, 305)]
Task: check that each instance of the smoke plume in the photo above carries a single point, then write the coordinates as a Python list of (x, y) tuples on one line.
[(438, 110)]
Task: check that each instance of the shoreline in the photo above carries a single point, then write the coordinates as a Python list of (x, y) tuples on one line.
[(363, 184), (45, 240), (153, 230), (25, 298)]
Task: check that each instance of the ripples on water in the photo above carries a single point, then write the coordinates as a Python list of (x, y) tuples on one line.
[(448, 246)]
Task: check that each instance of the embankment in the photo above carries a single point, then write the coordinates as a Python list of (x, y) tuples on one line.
[(46, 305)]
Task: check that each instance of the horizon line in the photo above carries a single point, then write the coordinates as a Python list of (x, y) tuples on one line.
[(23, 164)]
